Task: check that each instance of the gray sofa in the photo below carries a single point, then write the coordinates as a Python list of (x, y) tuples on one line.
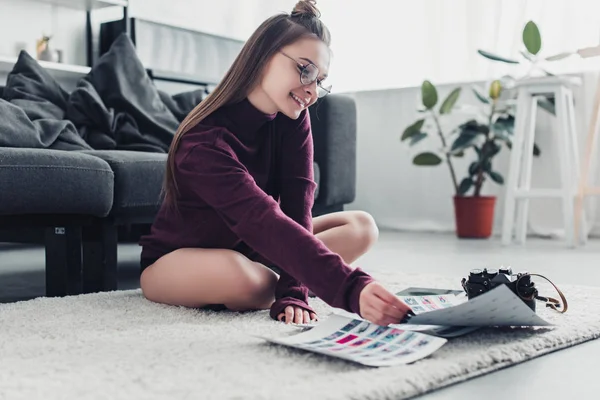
[(75, 202)]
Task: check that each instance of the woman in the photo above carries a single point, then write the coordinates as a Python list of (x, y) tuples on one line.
[(239, 191)]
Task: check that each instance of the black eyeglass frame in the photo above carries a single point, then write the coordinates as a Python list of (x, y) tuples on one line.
[(303, 67)]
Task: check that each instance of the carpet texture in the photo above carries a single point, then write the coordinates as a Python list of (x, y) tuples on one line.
[(120, 346)]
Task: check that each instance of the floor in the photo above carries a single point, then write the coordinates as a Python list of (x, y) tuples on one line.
[(570, 372)]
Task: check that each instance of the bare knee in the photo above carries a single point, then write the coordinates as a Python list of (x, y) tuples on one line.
[(365, 230), (254, 290)]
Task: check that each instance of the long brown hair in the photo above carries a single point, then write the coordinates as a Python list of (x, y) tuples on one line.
[(273, 34)]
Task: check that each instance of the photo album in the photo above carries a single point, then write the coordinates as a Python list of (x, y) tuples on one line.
[(438, 317)]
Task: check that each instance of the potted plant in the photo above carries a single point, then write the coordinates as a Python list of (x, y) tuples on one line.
[(485, 134)]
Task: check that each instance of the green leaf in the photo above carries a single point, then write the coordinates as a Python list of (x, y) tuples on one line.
[(473, 126), (495, 149), (465, 185), (413, 129), (429, 95), (504, 124), (496, 177), (427, 159), (532, 38), (414, 139), (494, 57), (447, 105), (463, 141), (480, 96), (473, 168), (459, 154)]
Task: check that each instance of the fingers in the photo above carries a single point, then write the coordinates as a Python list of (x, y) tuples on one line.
[(289, 314), (391, 299), (306, 317), (296, 315), (382, 313), (375, 316)]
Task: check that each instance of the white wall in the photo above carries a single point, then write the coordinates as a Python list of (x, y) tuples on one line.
[(24, 21), (402, 196)]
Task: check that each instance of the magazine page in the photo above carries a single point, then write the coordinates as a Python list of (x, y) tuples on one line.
[(497, 307), (363, 342), (423, 304)]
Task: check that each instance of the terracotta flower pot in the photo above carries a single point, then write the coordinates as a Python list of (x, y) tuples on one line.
[(474, 216)]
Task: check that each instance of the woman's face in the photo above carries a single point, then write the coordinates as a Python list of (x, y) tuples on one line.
[(282, 79)]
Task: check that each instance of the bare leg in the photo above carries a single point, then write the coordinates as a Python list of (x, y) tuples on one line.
[(347, 233), (198, 277)]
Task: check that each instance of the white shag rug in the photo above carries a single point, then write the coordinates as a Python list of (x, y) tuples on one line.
[(118, 345)]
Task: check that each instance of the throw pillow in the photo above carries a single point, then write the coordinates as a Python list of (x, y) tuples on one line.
[(34, 106), (118, 106)]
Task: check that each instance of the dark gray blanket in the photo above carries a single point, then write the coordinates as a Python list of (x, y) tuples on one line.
[(116, 106)]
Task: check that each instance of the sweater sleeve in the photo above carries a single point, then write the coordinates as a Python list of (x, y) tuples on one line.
[(211, 172), (296, 197)]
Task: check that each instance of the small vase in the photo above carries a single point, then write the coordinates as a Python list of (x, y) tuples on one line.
[(474, 216)]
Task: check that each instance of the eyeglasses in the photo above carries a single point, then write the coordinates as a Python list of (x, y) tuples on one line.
[(309, 73)]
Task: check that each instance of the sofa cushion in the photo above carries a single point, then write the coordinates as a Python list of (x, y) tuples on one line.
[(41, 181), (138, 181)]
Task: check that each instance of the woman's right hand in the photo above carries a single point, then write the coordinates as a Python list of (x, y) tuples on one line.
[(381, 307)]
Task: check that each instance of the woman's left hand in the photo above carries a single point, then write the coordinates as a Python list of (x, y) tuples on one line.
[(297, 315)]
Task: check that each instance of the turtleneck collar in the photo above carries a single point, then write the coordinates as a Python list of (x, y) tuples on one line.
[(244, 119)]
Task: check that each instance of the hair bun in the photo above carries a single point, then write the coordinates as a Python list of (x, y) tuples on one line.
[(306, 9)]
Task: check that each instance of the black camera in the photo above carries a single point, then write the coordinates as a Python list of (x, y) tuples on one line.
[(481, 281)]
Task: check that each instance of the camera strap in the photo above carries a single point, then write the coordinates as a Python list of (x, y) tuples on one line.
[(550, 302)]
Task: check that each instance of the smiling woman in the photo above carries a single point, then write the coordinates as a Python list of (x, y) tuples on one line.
[(239, 190)]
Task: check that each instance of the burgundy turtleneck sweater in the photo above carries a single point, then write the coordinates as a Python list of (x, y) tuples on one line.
[(224, 176)]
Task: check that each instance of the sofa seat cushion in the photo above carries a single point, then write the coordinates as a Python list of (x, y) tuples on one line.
[(42, 181), (138, 181)]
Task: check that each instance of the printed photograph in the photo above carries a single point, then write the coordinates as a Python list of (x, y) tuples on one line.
[(362, 327), (421, 343), (326, 345), (392, 334), (360, 342), (417, 309), (375, 345), (334, 335), (390, 349), (347, 339), (407, 338), (378, 331), (351, 325), (410, 301), (404, 352)]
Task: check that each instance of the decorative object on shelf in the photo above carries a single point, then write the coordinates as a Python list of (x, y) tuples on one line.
[(474, 215), (45, 52)]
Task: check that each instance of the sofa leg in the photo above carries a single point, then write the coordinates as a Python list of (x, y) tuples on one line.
[(99, 258), (63, 260)]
